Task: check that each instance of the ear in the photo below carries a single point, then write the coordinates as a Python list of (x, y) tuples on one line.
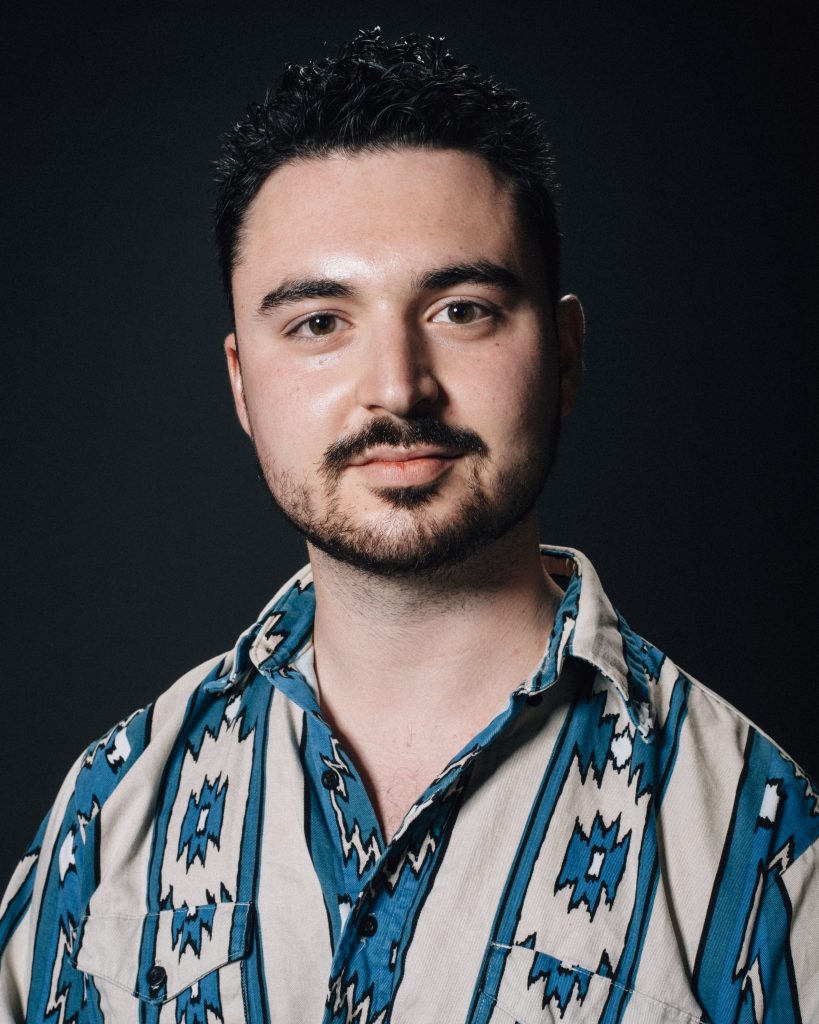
[(570, 329), (236, 384)]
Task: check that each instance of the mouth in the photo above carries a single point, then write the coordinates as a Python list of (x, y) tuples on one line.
[(389, 454), (403, 467)]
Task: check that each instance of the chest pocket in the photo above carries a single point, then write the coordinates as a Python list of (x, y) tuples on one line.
[(536, 988), (187, 960)]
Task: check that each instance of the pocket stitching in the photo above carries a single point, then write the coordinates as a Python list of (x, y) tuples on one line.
[(610, 981), (143, 917), (156, 913)]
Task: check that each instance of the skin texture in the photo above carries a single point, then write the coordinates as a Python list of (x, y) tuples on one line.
[(406, 424)]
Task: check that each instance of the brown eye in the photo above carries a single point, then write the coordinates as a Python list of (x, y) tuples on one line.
[(324, 323), (462, 312)]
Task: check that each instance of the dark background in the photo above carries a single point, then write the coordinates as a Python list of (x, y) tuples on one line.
[(137, 541)]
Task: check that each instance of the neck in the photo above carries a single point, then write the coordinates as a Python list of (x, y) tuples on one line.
[(442, 641)]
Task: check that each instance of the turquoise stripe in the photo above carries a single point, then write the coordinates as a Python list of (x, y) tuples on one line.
[(19, 903), (582, 720), (259, 699), (720, 975), (16, 909)]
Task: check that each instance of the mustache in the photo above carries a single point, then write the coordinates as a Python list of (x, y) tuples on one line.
[(401, 434)]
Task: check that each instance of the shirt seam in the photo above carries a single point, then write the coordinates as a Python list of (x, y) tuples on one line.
[(708, 693)]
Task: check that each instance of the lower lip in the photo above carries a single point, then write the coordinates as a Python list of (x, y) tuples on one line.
[(408, 473)]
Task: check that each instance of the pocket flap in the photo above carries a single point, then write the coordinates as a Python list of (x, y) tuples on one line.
[(157, 956)]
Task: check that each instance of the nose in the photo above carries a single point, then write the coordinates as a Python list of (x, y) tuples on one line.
[(397, 375)]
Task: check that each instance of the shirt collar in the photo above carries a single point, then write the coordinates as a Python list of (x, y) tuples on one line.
[(586, 627)]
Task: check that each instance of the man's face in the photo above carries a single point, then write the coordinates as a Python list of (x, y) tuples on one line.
[(399, 366)]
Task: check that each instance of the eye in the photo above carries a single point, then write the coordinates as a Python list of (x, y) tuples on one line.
[(319, 325), (462, 313)]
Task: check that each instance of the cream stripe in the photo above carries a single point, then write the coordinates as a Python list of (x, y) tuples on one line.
[(691, 825), (800, 883), (445, 957), (291, 911), (126, 820)]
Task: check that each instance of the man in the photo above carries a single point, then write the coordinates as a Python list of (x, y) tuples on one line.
[(439, 779)]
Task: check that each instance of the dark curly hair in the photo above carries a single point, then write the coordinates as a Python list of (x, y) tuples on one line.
[(376, 96)]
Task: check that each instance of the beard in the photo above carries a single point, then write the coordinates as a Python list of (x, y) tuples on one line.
[(410, 539)]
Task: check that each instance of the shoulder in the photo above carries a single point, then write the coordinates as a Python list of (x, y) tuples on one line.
[(140, 741), (145, 734), (724, 756), (109, 791), (723, 771), (734, 811), (746, 819), (108, 760), (733, 832)]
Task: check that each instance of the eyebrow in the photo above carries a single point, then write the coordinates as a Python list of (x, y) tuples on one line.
[(303, 288), (479, 272)]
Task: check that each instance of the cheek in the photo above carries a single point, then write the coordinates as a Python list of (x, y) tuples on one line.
[(271, 408), (292, 415), (521, 395)]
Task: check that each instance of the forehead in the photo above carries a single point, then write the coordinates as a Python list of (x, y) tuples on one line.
[(384, 213)]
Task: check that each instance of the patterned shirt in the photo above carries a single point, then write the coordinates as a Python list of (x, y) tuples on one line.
[(617, 845)]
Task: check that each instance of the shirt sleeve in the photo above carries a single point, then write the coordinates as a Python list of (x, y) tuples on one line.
[(15, 927), (798, 898), (21, 906)]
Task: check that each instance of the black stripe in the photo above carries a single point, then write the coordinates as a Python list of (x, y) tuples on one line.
[(149, 722), (97, 840)]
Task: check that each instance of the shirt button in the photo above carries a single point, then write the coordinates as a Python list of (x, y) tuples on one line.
[(157, 976), (329, 779), (369, 926)]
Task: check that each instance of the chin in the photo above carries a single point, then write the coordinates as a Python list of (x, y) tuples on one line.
[(418, 496), (410, 540)]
